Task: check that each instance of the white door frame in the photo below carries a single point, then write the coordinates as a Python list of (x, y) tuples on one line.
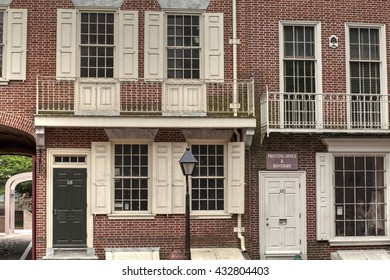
[(51, 153), (301, 175)]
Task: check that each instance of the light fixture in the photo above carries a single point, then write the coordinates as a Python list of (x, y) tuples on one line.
[(40, 132), (187, 164)]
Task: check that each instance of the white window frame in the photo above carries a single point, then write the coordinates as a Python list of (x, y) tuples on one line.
[(218, 214), (317, 65), (114, 46), (212, 51), (382, 65), (68, 43), (169, 188), (201, 44), (134, 214), (386, 196), (326, 190)]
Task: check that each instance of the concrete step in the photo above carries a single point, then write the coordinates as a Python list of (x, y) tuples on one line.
[(71, 254)]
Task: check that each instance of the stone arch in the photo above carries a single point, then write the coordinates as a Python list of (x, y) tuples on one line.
[(10, 199)]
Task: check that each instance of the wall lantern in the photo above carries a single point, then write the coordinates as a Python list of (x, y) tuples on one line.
[(40, 132)]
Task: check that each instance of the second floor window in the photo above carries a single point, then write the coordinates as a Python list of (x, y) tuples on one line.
[(299, 75), (299, 59), (365, 71), (183, 47), (97, 45)]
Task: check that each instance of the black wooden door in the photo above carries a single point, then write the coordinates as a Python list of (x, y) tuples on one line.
[(69, 207)]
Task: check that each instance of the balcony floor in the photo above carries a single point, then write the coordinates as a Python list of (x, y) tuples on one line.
[(144, 122)]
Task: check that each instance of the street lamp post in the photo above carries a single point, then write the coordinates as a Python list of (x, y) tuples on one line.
[(187, 164)]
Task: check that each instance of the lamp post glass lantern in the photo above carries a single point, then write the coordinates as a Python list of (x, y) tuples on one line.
[(187, 164)]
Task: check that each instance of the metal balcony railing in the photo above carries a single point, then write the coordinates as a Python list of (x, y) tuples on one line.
[(324, 112), (141, 97)]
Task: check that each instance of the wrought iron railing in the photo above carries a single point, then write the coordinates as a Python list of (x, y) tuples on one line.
[(324, 112)]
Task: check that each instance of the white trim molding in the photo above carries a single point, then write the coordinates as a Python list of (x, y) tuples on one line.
[(51, 153), (357, 145)]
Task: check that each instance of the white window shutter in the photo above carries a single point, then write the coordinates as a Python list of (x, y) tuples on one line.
[(154, 46), (214, 46), (178, 179), (66, 43), (324, 189), (16, 44), (236, 177), (128, 44), (161, 178), (101, 177)]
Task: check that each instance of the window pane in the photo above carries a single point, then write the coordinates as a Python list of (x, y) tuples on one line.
[(131, 179), (183, 47), (208, 180), (97, 42), (361, 201)]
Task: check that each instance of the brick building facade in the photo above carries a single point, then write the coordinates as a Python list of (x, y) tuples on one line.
[(116, 91)]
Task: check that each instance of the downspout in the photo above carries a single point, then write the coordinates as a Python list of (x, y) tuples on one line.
[(234, 41)]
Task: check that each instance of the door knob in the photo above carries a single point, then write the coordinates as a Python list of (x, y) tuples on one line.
[(55, 212)]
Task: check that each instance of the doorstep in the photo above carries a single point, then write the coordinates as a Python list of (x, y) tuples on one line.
[(216, 254), (360, 255)]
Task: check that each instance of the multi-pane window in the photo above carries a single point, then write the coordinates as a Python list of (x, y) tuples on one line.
[(299, 74), (1, 42), (365, 76), (97, 45), (131, 177), (208, 180), (183, 47), (360, 204)]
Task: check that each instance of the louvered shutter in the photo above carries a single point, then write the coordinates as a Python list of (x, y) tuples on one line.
[(154, 46), (101, 177), (128, 44), (66, 43), (16, 44), (161, 178), (236, 177), (324, 189), (214, 46)]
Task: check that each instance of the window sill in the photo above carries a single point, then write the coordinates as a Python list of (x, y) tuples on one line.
[(205, 216), (3, 83), (359, 241), (126, 216)]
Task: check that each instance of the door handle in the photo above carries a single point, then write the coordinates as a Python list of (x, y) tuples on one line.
[(55, 212)]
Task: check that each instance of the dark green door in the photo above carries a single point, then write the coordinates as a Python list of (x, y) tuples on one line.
[(69, 207)]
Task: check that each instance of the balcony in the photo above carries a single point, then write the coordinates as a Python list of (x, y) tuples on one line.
[(324, 113), (122, 97)]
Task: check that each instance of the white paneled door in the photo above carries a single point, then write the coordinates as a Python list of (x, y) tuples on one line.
[(282, 217)]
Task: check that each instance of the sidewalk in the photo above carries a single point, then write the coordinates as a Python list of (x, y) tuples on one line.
[(16, 246)]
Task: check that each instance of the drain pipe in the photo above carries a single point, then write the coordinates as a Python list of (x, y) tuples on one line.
[(235, 41), (239, 231)]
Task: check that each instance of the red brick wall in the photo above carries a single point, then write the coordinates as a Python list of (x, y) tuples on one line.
[(258, 55)]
